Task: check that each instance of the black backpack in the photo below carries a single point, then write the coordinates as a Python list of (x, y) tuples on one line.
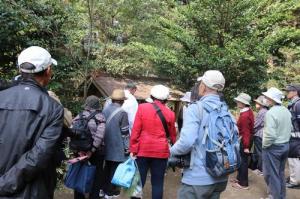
[(81, 139)]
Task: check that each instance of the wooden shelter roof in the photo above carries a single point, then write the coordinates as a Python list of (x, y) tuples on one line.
[(106, 84)]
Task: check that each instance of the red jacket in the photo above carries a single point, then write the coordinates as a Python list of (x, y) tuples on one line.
[(148, 137), (246, 127)]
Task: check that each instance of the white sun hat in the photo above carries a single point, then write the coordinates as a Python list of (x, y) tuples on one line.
[(243, 98), (213, 79), (274, 94), (186, 97), (37, 56), (160, 92)]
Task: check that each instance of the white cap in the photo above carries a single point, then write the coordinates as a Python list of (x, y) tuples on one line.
[(160, 92), (213, 79), (274, 94), (186, 97), (37, 56), (243, 98)]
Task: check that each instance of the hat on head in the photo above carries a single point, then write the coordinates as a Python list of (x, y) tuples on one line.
[(38, 57), (261, 100), (186, 97), (149, 100), (130, 85), (274, 94), (118, 94), (213, 79), (293, 87), (243, 98), (160, 92), (92, 102)]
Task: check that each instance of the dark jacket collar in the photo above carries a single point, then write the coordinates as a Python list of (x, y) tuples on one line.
[(33, 83)]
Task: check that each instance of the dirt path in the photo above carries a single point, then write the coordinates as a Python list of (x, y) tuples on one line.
[(172, 182)]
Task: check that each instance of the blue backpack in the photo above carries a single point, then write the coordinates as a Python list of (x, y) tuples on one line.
[(221, 140)]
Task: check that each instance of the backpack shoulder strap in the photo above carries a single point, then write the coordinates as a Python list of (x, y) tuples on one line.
[(295, 104), (112, 115), (162, 119), (92, 115)]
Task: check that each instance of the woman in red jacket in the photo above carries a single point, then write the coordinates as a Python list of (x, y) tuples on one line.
[(246, 129), (149, 142)]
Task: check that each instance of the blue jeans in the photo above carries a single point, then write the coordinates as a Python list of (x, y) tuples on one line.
[(157, 168), (274, 159)]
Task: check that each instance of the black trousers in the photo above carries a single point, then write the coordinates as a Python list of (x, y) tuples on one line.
[(258, 151), (98, 161), (157, 168), (242, 175), (109, 170)]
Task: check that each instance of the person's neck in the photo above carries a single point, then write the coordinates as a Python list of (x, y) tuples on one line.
[(40, 81), (295, 98), (210, 93)]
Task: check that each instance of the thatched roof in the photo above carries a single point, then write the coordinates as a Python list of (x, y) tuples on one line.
[(106, 84)]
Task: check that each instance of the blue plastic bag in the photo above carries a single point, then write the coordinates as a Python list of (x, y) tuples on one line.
[(136, 188), (124, 174), (80, 177)]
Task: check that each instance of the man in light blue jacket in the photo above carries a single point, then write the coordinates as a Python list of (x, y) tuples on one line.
[(197, 183)]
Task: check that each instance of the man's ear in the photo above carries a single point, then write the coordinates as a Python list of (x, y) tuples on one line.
[(48, 71)]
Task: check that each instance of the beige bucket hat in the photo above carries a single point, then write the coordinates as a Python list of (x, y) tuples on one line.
[(261, 100), (243, 98), (118, 94)]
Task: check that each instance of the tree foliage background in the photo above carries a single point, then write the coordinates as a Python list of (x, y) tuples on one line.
[(254, 43)]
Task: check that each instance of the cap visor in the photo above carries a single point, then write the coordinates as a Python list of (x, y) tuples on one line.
[(54, 62), (199, 79)]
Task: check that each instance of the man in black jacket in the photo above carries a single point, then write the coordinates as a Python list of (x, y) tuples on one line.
[(293, 91), (4, 84), (30, 123)]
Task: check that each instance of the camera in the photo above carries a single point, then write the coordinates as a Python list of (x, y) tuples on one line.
[(180, 161)]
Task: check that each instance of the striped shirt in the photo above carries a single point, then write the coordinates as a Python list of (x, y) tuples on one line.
[(260, 122)]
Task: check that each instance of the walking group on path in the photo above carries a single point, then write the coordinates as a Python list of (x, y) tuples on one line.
[(35, 129)]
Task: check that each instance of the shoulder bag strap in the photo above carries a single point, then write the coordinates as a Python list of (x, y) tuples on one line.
[(113, 115), (162, 118)]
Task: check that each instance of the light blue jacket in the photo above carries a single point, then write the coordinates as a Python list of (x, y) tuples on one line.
[(191, 136)]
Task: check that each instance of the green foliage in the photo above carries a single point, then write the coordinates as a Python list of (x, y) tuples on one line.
[(210, 34), (254, 43)]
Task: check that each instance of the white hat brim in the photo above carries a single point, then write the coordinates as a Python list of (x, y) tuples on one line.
[(54, 62), (272, 98), (183, 99)]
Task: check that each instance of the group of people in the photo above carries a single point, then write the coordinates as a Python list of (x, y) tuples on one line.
[(33, 126), (270, 133)]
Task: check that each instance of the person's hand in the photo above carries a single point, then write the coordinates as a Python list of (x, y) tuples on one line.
[(246, 151), (133, 156), (81, 153), (89, 154), (85, 154)]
